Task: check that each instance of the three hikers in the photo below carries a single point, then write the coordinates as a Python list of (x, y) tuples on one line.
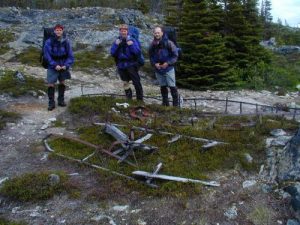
[(163, 54), (126, 51), (58, 55)]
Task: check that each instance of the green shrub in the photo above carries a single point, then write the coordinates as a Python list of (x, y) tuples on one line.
[(10, 84), (261, 215), (5, 37), (4, 221), (33, 187), (30, 56), (7, 117)]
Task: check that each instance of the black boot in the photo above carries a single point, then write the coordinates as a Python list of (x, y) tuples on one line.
[(128, 93), (174, 94), (164, 94), (51, 104), (61, 95)]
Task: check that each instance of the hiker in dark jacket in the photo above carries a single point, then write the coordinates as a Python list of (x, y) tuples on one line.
[(125, 50), (59, 55), (163, 55)]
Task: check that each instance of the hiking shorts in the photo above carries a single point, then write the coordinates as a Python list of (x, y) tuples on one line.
[(166, 79), (53, 76)]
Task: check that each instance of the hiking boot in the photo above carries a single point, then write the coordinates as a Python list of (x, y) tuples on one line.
[(51, 104), (128, 93), (61, 95), (164, 94), (174, 94)]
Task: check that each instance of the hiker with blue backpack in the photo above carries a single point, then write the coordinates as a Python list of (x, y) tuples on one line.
[(163, 54), (57, 58), (127, 53)]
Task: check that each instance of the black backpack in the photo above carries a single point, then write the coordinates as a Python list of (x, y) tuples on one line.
[(48, 33), (170, 33)]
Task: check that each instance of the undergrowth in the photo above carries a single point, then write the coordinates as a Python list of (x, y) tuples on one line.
[(34, 186), (9, 84), (4, 221), (97, 59), (6, 117), (183, 158), (5, 38), (30, 56)]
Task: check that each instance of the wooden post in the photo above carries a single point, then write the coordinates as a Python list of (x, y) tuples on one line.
[(241, 107), (256, 109), (195, 103), (226, 105), (294, 116)]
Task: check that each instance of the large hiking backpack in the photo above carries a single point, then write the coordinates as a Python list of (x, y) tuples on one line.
[(170, 33), (48, 33), (135, 33)]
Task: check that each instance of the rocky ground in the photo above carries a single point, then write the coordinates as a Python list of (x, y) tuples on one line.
[(21, 152)]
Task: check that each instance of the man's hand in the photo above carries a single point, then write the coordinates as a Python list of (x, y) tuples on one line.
[(58, 68), (164, 65), (118, 41), (129, 42), (157, 66)]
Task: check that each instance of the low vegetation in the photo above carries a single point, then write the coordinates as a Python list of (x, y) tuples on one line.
[(5, 37), (10, 84), (7, 117), (185, 157), (4, 221), (261, 215), (34, 186), (89, 60), (30, 56), (282, 74)]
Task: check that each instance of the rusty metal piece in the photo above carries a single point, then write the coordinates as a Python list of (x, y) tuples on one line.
[(97, 147), (140, 113)]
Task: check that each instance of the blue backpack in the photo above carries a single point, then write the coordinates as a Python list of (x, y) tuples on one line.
[(135, 33)]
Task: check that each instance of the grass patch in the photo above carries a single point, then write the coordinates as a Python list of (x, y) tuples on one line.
[(185, 157), (5, 38), (261, 215), (9, 84), (89, 60), (7, 117), (30, 56), (34, 186), (4, 221)]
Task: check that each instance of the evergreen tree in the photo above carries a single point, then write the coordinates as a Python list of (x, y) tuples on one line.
[(243, 33), (173, 10), (203, 64)]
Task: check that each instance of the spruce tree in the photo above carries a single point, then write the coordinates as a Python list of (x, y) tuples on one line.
[(173, 10), (203, 64)]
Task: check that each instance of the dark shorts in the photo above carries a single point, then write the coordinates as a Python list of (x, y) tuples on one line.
[(128, 74), (53, 76)]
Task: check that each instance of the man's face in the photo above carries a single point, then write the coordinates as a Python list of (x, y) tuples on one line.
[(158, 33), (58, 32), (123, 33)]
